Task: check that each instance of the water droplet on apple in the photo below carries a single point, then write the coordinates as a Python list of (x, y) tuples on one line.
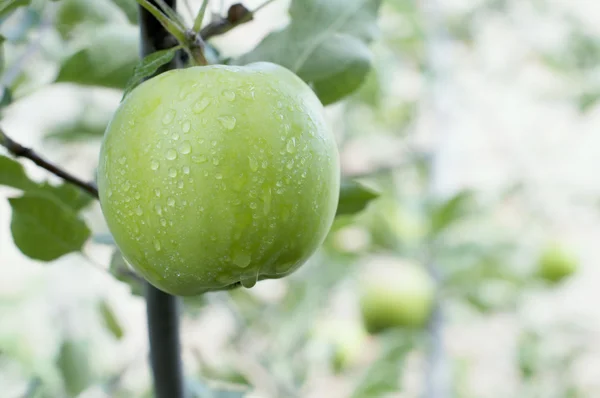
[(200, 105), (241, 259), (137, 195), (171, 202), (229, 95), (199, 159), (168, 117), (249, 282), (171, 154), (180, 184), (157, 245), (267, 199), (219, 176), (122, 160), (186, 126), (186, 170), (126, 186), (158, 209), (227, 121), (253, 163), (163, 222), (290, 164), (291, 145), (252, 205), (157, 192), (139, 211), (175, 136), (154, 165), (216, 161), (185, 147), (172, 172)]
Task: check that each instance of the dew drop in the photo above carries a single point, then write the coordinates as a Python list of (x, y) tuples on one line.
[(171, 202), (252, 205), (157, 192), (185, 147), (241, 259), (229, 95), (175, 136), (253, 163), (139, 211), (200, 105), (154, 165), (219, 176), (168, 117), (122, 160), (110, 193), (227, 121), (186, 126), (126, 186), (291, 145), (163, 222), (249, 282), (180, 184), (157, 245), (137, 195), (216, 161), (171, 154), (186, 170), (172, 172), (267, 199), (290, 164), (264, 164), (199, 159), (213, 143), (158, 209)]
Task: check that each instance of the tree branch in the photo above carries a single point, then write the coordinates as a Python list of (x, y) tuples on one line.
[(19, 150)]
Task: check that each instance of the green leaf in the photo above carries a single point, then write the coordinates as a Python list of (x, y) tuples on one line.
[(89, 124), (123, 272), (444, 214), (10, 5), (45, 229), (12, 174), (73, 15), (110, 320), (74, 364), (130, 8), (148, 67), (384, 375), (325, 44), (108, 61), (66, 193), (354, 197)]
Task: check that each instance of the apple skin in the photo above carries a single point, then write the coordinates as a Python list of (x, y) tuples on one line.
[(556, 264), (217, 175), (396, 295)]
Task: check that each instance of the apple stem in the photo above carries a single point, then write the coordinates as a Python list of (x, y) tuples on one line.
[(162, 308)]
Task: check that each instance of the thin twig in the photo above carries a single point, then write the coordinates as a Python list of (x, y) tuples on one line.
[(236, 15), (19, 150)]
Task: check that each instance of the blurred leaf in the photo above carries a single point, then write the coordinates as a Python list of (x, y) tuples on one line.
[(370, 91), (148, 66), (354, 197), (89, 124), (44, 229), (2, 39), (73, 363), (130, 8), (216, 390), (13, 174), (75, 14), (384, 375), (10, 5), (325, 44), (5, 97), (588, 100), (108, 61), (123, 272), (20, 23), (110, 320), (444, 214)]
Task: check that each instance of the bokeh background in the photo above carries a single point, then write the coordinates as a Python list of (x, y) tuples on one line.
[(479, 117)]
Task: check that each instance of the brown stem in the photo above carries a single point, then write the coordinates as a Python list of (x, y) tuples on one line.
[(19, 150)]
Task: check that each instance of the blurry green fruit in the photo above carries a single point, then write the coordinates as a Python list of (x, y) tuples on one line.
[(346, 340), (211, 176), (396, 294), (556, 264)]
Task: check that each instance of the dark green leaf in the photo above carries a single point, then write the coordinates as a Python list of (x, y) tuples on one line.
[(148, 67), (325, 44), (13, 174), (123, 272), (110, 320), (74, 365), (108, 61), (10, 5), (444, 214), (354, 197), (66, 193), (5, 97), (130, 8), (45, 229)]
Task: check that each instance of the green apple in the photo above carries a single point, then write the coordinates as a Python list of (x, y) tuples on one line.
[(218, 175), (346, 340), (556, 263), (396, 294)]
